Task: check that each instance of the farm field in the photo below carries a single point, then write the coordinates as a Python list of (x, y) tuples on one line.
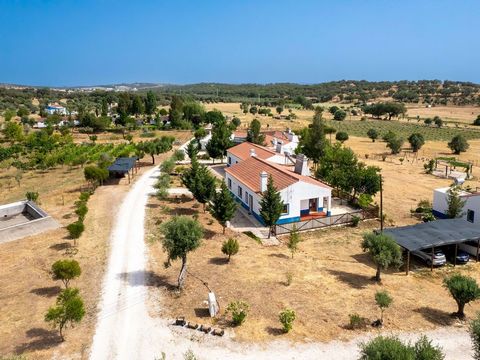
[(27, 261), (331, 278), (462, 116)]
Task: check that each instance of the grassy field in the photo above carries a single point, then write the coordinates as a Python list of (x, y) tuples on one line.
[(458, 121), (403, 129), (331, 278)]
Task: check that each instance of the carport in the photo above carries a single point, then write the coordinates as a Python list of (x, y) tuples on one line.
[(432, 234), (123, 165)]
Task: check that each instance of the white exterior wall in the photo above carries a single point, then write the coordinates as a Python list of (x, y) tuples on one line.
[(296, 196), (472, 202), (234, 158)]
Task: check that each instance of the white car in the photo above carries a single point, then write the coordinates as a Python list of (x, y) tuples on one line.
[(439, 258), (469, 247)]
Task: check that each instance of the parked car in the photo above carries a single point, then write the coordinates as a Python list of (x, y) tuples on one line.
[(469, 247), (439, 258), (462, 256)]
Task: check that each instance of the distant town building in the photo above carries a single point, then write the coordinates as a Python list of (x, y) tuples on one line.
[(56, 109)]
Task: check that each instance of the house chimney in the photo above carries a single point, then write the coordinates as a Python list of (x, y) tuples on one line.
[(252, 152), (301, 165), (279, 147), (274, 142), (263, 181)]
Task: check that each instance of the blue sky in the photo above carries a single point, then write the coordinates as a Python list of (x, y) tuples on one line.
[(65, 43)]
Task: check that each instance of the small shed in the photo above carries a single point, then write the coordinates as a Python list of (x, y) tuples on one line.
[(122, 166), (433, 234)]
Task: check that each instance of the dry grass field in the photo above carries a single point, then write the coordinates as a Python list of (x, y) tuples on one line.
[(27, 290), (331, 278), (453, 114)]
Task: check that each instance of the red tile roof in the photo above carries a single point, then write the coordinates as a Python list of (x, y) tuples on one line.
[(248, 172), (242, 151)]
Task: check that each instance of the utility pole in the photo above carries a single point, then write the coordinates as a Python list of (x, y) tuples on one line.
[(381, 203)]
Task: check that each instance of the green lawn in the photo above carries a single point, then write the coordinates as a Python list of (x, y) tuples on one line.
[(404, 129)]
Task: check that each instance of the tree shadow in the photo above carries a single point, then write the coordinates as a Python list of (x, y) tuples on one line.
[(42, 339), (208, 234), (202, 312), (49, 291), (218, 261), (280, 256), (146, 278), (435, 316), (153, 206), (355, 281), (185, 211), (274, 331), (60, 246)]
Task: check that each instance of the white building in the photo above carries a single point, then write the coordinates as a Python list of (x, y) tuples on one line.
[(471, 209), (244, 150), (303, 196), (56, 109)]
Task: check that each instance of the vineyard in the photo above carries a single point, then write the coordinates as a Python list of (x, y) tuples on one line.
[(403, 129)]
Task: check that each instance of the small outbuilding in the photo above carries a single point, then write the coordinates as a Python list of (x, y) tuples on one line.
[(433, 234), (123, 166)]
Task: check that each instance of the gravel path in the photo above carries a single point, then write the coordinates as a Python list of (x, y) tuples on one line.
[(125, 329)]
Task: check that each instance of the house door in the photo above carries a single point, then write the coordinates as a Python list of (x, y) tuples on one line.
[(313, 205), (250, 203)]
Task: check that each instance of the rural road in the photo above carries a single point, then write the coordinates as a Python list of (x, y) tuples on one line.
[(125, 329), (120, 326)]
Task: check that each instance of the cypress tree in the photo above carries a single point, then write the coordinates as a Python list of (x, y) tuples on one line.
[(223, 206), (271, 205)]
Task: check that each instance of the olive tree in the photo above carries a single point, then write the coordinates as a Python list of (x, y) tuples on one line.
[(66, 270), (384, 251), (463, 289), (69, 310), (458, 144), (181, 235), (383, 301)]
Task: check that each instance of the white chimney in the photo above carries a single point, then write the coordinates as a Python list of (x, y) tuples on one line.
[(279, 147), (252, 152), (301, 165), (274, 141), (263, 181)]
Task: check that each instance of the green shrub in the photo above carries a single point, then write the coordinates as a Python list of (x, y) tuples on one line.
[(357, 321), (66, 270), (474, 331), (81, 211), (386, 348), (85, 196), (239, 311), (364, 200), (286, 318), (230, 247), (355, 220), (32, 196), (429, 166), (178, 155), (76, 229)]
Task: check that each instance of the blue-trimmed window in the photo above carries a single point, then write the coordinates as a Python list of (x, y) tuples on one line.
[(286, 209), (240, 191), (230, 183), (229, 160)]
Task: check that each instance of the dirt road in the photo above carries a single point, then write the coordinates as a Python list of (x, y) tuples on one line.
[(121, 325)]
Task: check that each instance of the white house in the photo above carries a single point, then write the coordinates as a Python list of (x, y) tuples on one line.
[(56, 109), (303, 196), (471, 209), (244, 150)]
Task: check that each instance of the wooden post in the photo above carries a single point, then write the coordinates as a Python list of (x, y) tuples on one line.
[(433, 254), (456, 251), (408, 263), (128, 173)]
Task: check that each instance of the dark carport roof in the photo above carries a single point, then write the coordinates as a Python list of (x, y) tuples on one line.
[(122, 164), (434, 233)]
